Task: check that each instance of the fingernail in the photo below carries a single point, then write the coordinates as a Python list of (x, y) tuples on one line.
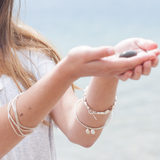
[(139, 70), (110, 51)]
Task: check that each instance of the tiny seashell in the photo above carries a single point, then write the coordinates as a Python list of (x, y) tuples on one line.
[(93, 132), (87, 131)]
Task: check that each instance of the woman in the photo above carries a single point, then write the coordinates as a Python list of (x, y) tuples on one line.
[(26, 57)]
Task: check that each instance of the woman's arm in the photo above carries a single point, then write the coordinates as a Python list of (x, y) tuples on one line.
[(100, 96), (39, 100), (34, 105)]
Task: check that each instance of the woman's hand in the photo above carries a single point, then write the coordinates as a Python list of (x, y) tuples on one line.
[(103, 62), (139, 45)]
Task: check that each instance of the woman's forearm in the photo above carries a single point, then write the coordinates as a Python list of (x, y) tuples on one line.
[(45, 94), (100, 97), (100, 94), (34, 105)]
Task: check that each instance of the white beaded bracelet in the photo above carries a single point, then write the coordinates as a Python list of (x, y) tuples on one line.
[(91, 111), (90, 129), (17, 124)]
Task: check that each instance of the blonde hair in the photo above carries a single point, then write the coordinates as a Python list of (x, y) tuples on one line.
[(16, 36)]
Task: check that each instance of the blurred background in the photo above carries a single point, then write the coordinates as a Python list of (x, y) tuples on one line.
[(134, 132)]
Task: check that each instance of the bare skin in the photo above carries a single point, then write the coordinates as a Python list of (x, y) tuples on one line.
[(51, 93), (138, 45)]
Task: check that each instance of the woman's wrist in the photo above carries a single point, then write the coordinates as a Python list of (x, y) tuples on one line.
[(105, 80), (67, 70), (101, 92)]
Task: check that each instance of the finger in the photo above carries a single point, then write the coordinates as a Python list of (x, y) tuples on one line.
[(100, 52), (91, 54), (146, 68), (132, 62), (155, 62), (137, 73), (88, 54), (146, 44), (114, 66), (125, 76), (155, 51)]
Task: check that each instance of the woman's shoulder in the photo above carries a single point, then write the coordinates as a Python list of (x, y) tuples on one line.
[(36, 62), (31, 55)]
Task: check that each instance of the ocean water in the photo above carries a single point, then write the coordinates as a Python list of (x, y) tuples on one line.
[(134, 132)]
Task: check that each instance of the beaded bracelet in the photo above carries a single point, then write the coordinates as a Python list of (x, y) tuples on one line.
[(90, 129), (91, 111)]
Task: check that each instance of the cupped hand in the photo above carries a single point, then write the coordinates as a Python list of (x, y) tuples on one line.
[(102, 61), (139, 45)]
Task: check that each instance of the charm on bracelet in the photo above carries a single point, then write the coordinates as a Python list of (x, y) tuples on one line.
[(91, 111), (89, 130)]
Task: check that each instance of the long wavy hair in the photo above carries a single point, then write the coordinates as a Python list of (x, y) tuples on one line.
[(15, 36)]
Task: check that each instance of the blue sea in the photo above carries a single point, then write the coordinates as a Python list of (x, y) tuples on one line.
[(134, 133)]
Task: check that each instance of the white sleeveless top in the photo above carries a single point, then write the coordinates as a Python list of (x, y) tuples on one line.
[(40, 144)]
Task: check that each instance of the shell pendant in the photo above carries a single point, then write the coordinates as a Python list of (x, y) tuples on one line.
[(92, 131), (87, 131)]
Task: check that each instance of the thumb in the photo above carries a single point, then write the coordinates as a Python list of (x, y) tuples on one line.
[(146, 44), (100, 52)]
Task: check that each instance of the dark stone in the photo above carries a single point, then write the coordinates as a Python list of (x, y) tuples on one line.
[(128, 54)]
